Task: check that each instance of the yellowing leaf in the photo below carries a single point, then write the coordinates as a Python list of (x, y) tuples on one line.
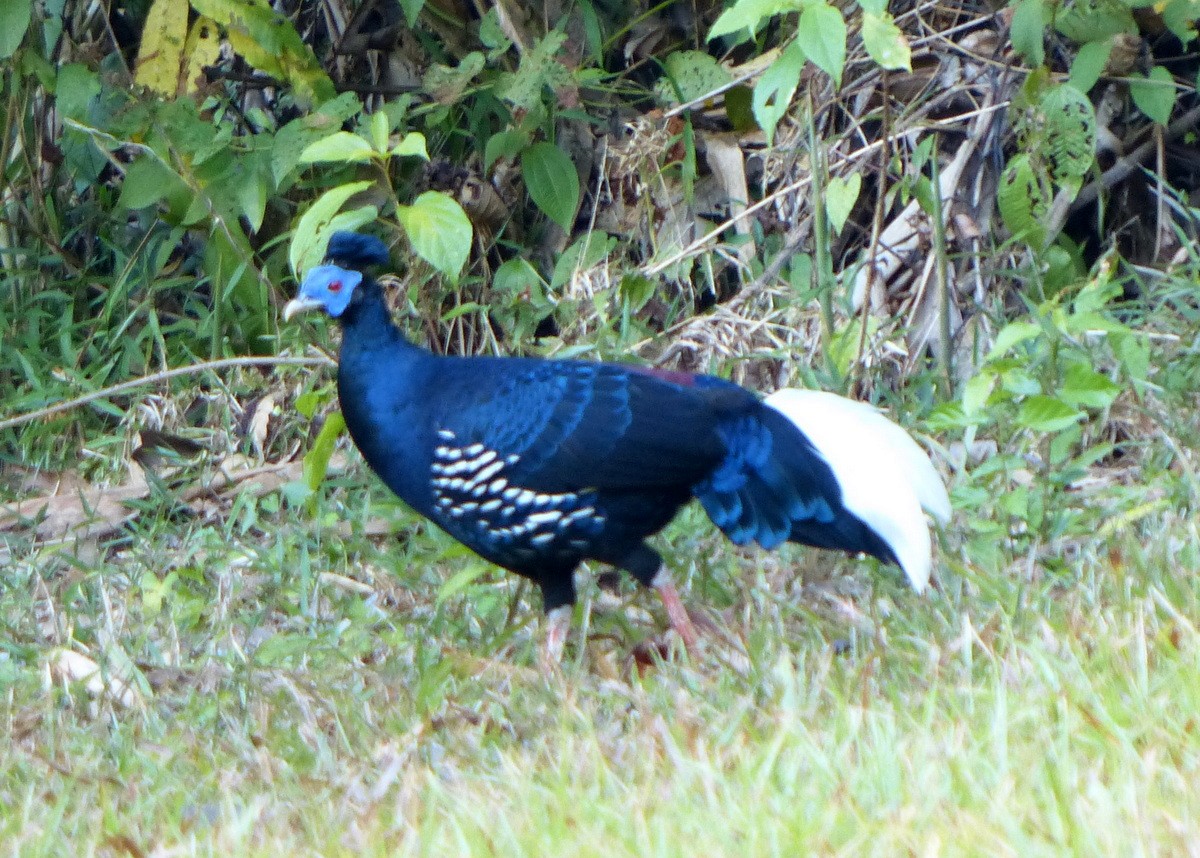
[(161, 53), (203, 49)]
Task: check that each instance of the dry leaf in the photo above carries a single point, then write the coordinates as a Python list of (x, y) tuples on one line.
[(260, 421), (66, 665), (77, 511)]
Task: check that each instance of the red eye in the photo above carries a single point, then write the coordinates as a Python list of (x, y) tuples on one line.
[(335, 286)]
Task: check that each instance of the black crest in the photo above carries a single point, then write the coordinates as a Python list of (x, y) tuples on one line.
[(356, 250)]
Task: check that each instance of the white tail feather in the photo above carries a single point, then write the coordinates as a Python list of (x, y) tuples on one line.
[(885, 476)]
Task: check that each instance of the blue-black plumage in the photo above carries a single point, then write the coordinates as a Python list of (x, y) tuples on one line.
[(538, 465)]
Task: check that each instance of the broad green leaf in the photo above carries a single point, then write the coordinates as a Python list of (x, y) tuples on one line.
[(412, 144), (822, 35), (1089, 64), (539, 69), (161, 53), (446, 84), (1019, 382), (1047, 414), (340, 147), (690, 75), (552, 182), (147, 180), (1024, 198), (351, 220), (774, 90), (748, 15), (292, 139), (251, 194), (1011, 335), (1154, 95), (1180, 16), (976, 392), (516, 276), (307, 403), (1028, 30), (74, 90), (1085, 387), (840, 197), (308, 241), (503, 144), (1069, 132), (885, 42), (438, 230), (14, 21)]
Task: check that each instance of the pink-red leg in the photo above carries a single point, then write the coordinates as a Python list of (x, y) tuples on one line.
[(558, 624), (678, 615)]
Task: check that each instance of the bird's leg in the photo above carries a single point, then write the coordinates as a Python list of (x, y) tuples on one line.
[(558, 623), (678, 615)]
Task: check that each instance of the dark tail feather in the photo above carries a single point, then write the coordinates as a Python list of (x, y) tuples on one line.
[(774, 486)]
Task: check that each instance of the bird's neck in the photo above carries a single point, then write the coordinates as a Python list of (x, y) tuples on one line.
[(367, 325)]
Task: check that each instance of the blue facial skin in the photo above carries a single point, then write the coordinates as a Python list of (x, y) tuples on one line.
[(331, 287)]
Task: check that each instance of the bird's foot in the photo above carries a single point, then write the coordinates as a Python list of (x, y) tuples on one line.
[(558, 624), (677, 613)]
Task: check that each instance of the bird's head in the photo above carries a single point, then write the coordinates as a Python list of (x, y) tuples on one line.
[(331, 285)]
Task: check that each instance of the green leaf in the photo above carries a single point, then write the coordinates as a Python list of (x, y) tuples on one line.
[(160, 55), (438, 230), (587, 251), (380, 130), (339, 147), (1028, 30), (74, 90), (503, 144), (774, 90), (292, 139), (1089, 64), (147, 180), (517, 277), (748, 15), (840, 197), (312, 232), (1069, 132), (1154, 95), (269, 42), (1047, 414), (691, 75), (822, 35), (1085, 387), (1010, 335), (14, 21), (1024, 198), (885, 42), (413, 144), (316, 460), (552, 182), (306, 403), (252, 198), (976, 392)]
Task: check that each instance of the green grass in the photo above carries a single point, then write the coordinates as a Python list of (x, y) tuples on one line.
[(1014, 712)]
